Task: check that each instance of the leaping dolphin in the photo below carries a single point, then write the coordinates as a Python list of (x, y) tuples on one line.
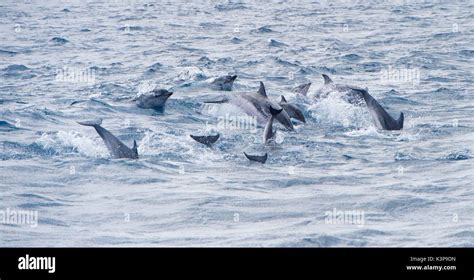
[(223, 83), (156, 99), (381, 118), (293, 111), (116, 148), (258, 105), (268, 131), (350, 93)]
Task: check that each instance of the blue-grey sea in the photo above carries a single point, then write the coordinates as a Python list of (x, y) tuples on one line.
[(412, 187)]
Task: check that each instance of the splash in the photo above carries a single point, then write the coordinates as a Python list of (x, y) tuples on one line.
[(333, 110), (65, 142)]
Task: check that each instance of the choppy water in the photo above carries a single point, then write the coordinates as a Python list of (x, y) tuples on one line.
[(414, 187)]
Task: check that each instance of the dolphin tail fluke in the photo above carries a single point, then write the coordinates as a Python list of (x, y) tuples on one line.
[(275, 112), (261, 159), (206, 140), (400, 120), (91, 123)]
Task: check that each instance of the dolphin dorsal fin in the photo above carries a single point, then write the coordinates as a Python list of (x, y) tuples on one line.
[(302, 89), (134, 144), (400, 120), (283, 99), (261, 90), (327, 80)]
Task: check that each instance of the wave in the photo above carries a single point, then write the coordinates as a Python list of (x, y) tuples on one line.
[(231, 6), (17, 151), (263, 29), (8, 53), (6, 126), (59, 40), (15, 68), (275, 43), (460, 155)]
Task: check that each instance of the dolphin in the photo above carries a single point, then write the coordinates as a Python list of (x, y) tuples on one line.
[(206, 140), (351, 94), (381, 118), (268, 131), (293, 111), (261, 159), (258, 105), (223, 83), (156, 99), (116, 148)]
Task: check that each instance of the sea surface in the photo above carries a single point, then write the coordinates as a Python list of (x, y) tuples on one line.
[(412, 187)]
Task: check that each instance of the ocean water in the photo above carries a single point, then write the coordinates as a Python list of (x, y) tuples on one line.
[(406, 188)]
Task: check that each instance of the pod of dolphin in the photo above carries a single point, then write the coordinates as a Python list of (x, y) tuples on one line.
[(257, 105)]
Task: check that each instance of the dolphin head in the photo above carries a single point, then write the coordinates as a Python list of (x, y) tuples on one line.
[(224, 82), (156, 99)]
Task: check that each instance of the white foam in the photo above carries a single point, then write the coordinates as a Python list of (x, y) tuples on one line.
[(192, 73), (145, 87), (84, 145), (334, 110)]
